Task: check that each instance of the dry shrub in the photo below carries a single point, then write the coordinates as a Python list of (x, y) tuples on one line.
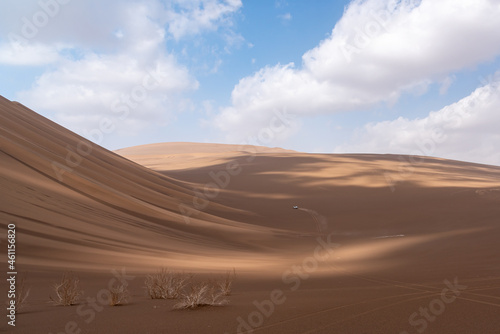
[(166, 284), (214, 296), (118, 295), (225, 286), (67, 291), (20, 296), (201, 294)]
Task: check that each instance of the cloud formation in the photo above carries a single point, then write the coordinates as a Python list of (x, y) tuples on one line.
[(117, 67), (199, 15), (378, 51), (466, 130)]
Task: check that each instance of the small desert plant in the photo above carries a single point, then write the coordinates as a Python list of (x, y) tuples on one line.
[(166, 284), (21, 295), (225, 285), (201, 294), (118, 295), (67, 291), (214, 296)]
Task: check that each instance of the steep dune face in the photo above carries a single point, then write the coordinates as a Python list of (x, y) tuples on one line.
[(75, 202)]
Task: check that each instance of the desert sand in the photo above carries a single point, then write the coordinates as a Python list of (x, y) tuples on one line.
[(377, 244)]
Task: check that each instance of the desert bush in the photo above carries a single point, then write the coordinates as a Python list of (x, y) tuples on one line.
[(166, 284), (118, 295), (201, 294), (225, 286), (215, 296), (67, 291)]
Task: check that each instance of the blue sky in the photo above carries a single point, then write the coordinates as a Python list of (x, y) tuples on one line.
[(376, 76)]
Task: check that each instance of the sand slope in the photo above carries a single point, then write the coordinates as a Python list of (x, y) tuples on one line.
[(75, 202), (375, 237), (388, 206)]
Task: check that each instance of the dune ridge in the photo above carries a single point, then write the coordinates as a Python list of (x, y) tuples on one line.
[(59, 193)]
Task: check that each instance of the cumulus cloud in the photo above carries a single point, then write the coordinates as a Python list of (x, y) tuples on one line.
[(21, 54), (378, 51), (118, 87), (94, 24), (466, 130), (110, 65)]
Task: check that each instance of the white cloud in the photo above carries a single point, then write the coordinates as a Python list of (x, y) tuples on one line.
[(28, 54), (118, 67), (198, 15), (118, 87), (285, 17), (466, 130), (446, 84), (48, 21), (280, 3), (376, 52)]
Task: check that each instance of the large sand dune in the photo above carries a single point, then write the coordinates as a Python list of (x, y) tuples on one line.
[(375, 238), (78, 203)]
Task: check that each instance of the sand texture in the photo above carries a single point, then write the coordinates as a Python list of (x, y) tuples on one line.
[(378, 243)]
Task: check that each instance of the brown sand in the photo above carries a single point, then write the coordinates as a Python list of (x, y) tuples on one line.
[(374, 240)]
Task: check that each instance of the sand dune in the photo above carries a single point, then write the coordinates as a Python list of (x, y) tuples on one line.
[(376, 237), (77, 203), (362, 197)]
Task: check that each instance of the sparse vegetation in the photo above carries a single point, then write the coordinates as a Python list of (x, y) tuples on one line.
[(166, 284), (201, 294), (21, 295), (118, 295), (214, 296), (225, 285), (67, 291)]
